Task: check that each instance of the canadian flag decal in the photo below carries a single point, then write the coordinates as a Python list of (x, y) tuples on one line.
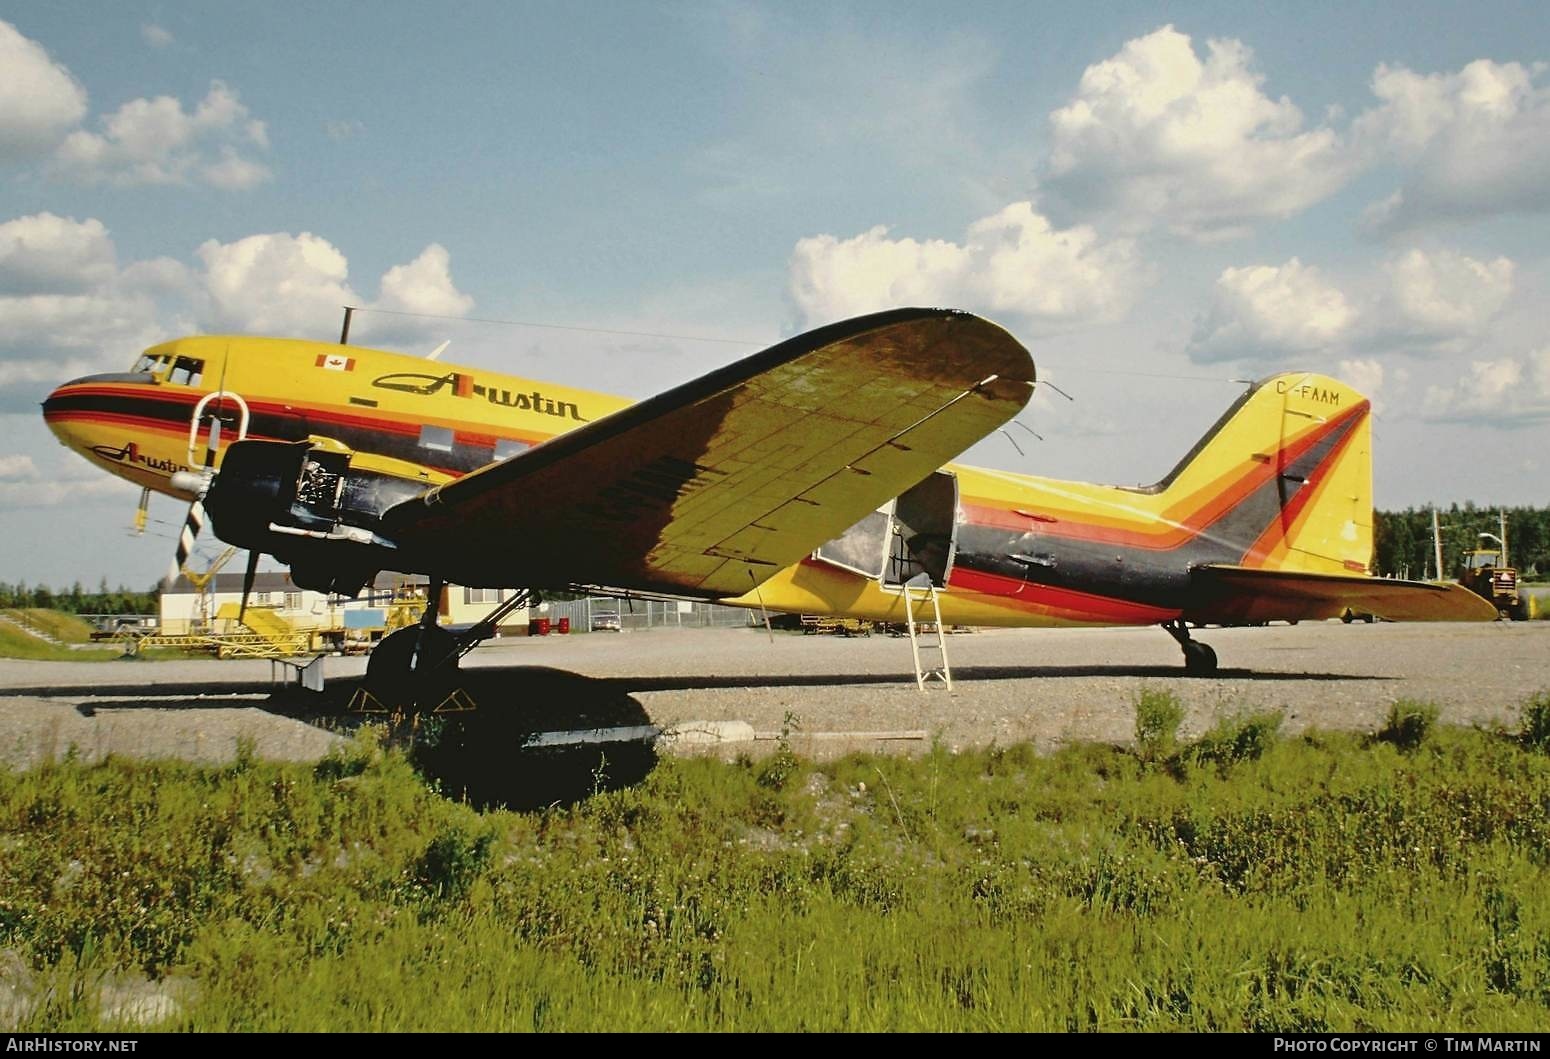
[(334, 362)]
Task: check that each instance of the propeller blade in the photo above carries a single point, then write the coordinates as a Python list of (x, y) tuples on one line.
[(247, 583), (194, 521)]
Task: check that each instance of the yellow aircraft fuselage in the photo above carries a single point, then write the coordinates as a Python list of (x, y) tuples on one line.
[(1283, 482)]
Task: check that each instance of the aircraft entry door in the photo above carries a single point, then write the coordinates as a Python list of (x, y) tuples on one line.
[(924, 525), (912, 533)]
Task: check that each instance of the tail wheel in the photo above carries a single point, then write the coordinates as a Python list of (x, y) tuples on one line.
[(1199, 659)]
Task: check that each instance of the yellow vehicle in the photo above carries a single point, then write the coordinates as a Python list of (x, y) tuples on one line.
[(1481, 571)]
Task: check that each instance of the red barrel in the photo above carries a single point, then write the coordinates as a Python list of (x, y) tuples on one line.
[(563, 627), (543, 626)]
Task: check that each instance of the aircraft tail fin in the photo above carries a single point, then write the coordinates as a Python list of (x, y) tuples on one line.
[(1283, 481)]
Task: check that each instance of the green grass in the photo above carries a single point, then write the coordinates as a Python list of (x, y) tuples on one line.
[(1324, 882), (66, 627), (17, 644), (14, 643)]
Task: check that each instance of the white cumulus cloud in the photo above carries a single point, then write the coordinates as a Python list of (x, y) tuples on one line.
[(1264, 312), (17, 465), (424, 285), (68, 308), (1366, 374), (156, 36), (1507, 391), (1156, 136), (157, 141), (1443, 297), (1417, 302), (48, 254), (275, 283), (1013, 262), (23, 484), (1476, 142), (283, 284), (39, 98)]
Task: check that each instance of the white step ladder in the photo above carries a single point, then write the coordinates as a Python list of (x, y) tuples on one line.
[(919, 589)]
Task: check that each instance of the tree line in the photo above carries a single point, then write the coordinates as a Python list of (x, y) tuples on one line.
[(76, 600), (1403, 539)]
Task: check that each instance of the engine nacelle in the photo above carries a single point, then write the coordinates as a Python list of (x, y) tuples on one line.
[(312, 505)]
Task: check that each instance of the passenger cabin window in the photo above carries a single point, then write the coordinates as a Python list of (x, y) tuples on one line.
[(438, 439), (506, 448)]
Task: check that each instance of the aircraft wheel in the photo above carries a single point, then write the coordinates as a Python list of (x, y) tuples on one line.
[(391, 674), (1199, 659)]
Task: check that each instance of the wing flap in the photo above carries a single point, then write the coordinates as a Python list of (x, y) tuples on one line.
[(710, 488), (1247, 594)]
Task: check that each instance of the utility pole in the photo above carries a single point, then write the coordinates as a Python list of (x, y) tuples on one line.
[(1437, 543)]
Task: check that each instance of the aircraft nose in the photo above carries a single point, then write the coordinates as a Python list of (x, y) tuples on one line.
[(73, 402), (56, 408)]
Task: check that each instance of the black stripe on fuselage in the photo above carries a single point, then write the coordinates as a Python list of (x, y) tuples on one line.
[(281, 426)]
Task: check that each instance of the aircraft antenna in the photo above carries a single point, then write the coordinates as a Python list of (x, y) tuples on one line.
[(344, 332)]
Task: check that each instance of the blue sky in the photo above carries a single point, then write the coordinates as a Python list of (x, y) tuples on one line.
[(1157, 199)]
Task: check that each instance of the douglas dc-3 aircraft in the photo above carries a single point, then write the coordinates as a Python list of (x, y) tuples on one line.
[(808, 478)]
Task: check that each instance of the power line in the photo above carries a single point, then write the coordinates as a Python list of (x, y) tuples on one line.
[(746, 342), (1056, 368), (569, 327)]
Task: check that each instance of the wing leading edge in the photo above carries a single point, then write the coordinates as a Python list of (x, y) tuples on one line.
[(711, 487), (1244, 594)]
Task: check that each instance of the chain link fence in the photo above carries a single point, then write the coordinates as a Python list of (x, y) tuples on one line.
[(602, 613)]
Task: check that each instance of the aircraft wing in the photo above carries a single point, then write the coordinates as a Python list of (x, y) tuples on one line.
[(711, 487), (1224, 594)]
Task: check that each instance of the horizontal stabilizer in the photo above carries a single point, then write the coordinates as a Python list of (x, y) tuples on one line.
[(1230, 594)]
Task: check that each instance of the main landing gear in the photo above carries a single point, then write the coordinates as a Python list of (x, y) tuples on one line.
[(1199, 659), (416, 668)]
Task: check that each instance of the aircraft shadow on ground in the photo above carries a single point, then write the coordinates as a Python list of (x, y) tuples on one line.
[(482, 755)]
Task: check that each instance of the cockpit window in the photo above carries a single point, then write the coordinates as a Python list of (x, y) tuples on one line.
[(186, 371)]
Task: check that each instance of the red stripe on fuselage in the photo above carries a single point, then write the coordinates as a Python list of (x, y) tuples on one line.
[(1066, 603)]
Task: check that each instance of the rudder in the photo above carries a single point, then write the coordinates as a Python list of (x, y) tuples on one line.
[(1283, 481)]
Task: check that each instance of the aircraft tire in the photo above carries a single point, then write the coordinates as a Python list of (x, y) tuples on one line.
[(391, 675), (1199, 659)]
